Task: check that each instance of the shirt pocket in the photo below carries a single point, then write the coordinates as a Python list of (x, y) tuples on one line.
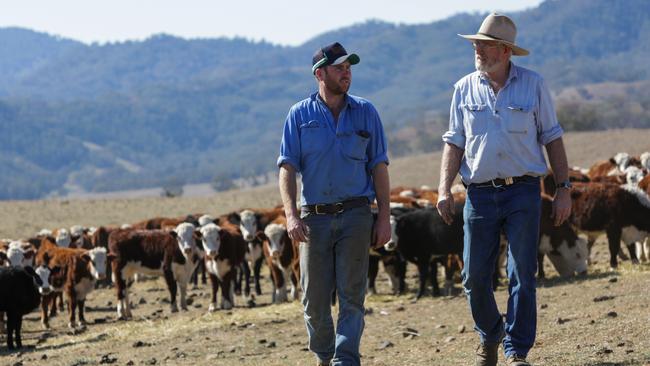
[(354, 145), (521, 120), (476, 118), (312, 136)]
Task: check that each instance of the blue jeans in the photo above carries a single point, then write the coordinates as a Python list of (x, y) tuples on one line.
[(335, 257), (488, 211)]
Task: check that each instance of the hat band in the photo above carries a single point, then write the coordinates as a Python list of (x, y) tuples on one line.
[(497, 38), (320, 63)]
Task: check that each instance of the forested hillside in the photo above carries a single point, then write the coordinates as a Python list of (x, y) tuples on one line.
[(102, 117)]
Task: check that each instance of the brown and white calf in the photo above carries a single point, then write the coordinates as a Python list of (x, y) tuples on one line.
[(566, 250), (225, 249), (79, 270), (609, 208), (170, 254), (282, 257)]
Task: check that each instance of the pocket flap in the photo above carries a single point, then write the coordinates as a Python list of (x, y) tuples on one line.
[(473, 107), (519, 108)]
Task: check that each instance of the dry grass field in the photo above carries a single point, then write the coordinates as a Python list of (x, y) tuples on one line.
[(600, 319)]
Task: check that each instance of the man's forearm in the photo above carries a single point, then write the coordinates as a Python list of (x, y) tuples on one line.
[(449, 167), (288, 189), (557, 159), (382, 189)]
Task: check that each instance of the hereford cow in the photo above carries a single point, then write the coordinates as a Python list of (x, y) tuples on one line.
[(251, 223), (568, 252), (170, 254), (79, 270), (282, 257), (225, 249), (609, 208)]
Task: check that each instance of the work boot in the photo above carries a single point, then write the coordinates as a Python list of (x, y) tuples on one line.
[(487, 354), (514, 360)]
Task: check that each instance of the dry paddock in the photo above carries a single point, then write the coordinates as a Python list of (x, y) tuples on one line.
[(601, 319)]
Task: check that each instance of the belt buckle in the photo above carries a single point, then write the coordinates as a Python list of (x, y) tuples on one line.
[(316, 210), (339, 206), (495, 185)]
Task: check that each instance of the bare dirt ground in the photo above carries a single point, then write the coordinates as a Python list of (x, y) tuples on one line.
[(601, 319)]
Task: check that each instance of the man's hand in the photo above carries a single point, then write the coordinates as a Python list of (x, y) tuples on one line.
[(561, 206), (445, 207), (381, 232), (297, 229)]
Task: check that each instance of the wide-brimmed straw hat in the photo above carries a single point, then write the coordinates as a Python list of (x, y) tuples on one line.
[(500, 28)]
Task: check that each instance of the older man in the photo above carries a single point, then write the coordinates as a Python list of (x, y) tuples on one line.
[(502, 116), (336, 141)]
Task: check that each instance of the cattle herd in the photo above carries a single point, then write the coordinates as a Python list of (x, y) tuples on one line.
[(611, 197)]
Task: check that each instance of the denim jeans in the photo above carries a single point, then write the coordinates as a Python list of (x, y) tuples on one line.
[(335, 258), (515, 211)]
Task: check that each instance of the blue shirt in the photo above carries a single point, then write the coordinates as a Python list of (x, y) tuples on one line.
[(503, 134), (334, 159)]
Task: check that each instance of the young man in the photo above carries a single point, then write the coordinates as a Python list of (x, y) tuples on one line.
[(501, 117), (336, 141)]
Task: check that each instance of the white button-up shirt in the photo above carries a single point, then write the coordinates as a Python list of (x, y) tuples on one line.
[(502, 134)]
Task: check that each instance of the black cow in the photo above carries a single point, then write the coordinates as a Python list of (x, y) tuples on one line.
[(423, 237), (20, 295)]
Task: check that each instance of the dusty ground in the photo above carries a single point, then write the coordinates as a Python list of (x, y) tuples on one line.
[(601, 319)]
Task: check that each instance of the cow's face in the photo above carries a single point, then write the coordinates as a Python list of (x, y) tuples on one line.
[(63, 238), (43, 274), (622, 160), (98, 260), (275, 233), (211, 240), (185, 237), (645, 160), (248, 224), (633, 175), (567, 259), (392, 243), (20, 254)]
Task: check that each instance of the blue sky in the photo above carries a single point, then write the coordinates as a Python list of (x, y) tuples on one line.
[(286, 22)]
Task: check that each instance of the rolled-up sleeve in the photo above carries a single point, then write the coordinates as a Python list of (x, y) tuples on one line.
[(456, 133), (546, 118), (290, 146), (377, 149)]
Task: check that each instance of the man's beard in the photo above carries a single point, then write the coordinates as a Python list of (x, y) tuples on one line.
[(337, 88), (487, 65)]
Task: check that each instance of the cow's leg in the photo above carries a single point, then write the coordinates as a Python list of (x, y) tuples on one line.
[(81, 304), (433, 276), (401, 274), (614, 239), (53, 310), (257, 268), (239, 277), (634, 256), (11, 327), (18, 327), (72, 309), (540, 266), (227, 298), (194, 279), (279, 290), (44, 318), (646, 249), (247, 278), (171, 286), (61, 305), (373, 269), (423, 272), (120, 289), (182, 285), (215, 287)]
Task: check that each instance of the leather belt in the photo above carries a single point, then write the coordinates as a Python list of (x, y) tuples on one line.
[(503, 182), (335, 208)]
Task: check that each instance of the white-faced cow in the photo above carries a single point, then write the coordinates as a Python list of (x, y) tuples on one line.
[(224, 252), (282, 257), (170, 254)]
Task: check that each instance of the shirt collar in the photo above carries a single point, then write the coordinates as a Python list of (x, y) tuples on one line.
[(349, 101), (512, 74)]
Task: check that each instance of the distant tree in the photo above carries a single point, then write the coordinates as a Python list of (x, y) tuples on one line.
[(222, 182)]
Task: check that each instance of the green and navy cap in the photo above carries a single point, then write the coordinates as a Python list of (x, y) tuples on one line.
[(333, 54)]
